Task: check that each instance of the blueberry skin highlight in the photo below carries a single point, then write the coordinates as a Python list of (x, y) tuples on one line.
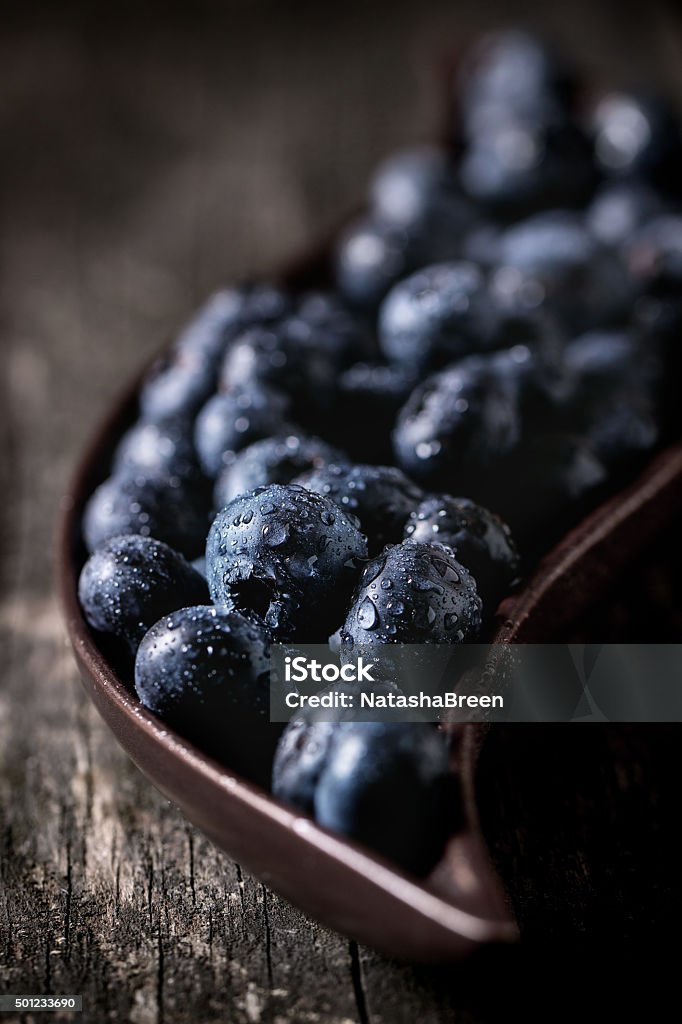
[(480, 540), (413, 593), (382, 497), (388, 786), (161, 447), (370, 257), (131, 581), (289, 554), (434, 316), (206, 674), (274, 460), (166, 508), (234, 419)]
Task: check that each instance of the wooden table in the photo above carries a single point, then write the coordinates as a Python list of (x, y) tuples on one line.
[(149, 157)]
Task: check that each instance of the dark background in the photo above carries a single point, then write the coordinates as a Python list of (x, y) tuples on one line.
[(149, 155)]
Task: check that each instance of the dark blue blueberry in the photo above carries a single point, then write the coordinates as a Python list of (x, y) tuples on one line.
[(162, 447), (638, 136), (166, 508), (382, 497), (620, 209), (131, 581), (184, 378), (413, 594), (517, 167), (479, 539), (274, 460), (300, 355), (417, 190), (206, 674), (613, 399), (370, 257), (304, 747), (458, 423), (508, 74), (434, 316), (288, 554), (388, 786), (231, 420), (551, 261)]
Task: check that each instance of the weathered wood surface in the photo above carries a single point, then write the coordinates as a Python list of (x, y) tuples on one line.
[(146, 159)]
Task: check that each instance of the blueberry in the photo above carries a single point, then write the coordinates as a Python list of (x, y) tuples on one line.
[(370, 257), (479, 539), (301, 354), (274, 460), (166, 508), (512, 73), (459, 422), (184, 378), (234, 419), (613, 400), (288, 554), (518, 167), (206, 674), (382, 497), (437, 314), (620, 209), (305, 744), (551, 259), (162, 447), (388, 786), (638, 135), (417, 190), (413, 594), (131, 581)]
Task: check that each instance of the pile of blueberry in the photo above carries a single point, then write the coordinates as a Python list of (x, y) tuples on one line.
[(502, 323)]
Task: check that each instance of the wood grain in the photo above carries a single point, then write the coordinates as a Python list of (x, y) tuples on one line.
[(149, 157)]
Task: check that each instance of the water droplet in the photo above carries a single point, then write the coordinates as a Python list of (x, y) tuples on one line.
[(247, 517), (430, 616), (367, 616), (386, 584), (276, 534), (267, 509), (328, 518), (451, 620)]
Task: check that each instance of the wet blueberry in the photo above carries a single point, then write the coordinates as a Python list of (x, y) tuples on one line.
[(620, 209), (479, 539), (382, 497), (131, 581), (413, 593), (206, 674), (232, 420), (304, 747), (274, 460), (459, 422), (166, 508), (388, 786), (638, 135), (511, 73), (417, 190), (551, 260), (613, 399), (434, 316), (288, 554), (517, 167), (370, 257), (181, 381), (161, 447)]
